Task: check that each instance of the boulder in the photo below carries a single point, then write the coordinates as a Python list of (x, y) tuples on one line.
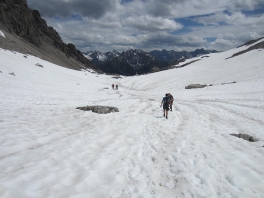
[(195, 86), (99, 109), (245, 137)]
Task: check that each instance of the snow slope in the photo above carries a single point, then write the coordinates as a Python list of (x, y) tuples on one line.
[(51, 149)]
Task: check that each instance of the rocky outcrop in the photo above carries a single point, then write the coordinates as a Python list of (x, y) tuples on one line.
[(195, 86), (245, 137), (17, 19), (258, 45), (99, 109), (26, 23), (183, 65)]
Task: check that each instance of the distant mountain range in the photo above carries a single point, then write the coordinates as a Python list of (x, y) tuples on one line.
[(26, 32), (172, 56), (135, 61)]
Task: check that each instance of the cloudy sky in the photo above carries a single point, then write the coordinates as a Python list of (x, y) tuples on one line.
[(107, 25)]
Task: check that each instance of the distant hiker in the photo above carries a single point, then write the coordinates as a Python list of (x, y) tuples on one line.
[(113, 86), (171, 101), (166, 103), (116, 87)]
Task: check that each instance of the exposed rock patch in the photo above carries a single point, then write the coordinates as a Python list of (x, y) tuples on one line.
[(245, 137), (117, 77), (256, 46), (186, 64), (39, 65), (99, 109), (208, 85), (229, 83), (195, 86)]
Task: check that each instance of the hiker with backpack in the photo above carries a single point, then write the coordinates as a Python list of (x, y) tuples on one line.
[(113, 86), (171, 100), (166, 105), (116, 87)]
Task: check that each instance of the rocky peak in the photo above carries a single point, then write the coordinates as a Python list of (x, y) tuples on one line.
[(16, 18)]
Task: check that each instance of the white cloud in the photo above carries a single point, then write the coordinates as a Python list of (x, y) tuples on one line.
[(148, 23), (243, 4), (163, 40), (235, 18), (221, 44), (108, 21), (228, 40)]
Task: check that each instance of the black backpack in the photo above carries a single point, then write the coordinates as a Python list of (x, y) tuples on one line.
[(166, 100)]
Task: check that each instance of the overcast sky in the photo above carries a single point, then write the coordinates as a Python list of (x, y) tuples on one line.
[(107, 25)]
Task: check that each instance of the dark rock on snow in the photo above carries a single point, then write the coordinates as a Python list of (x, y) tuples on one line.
[(185, 63), (257, 45), (245, 137), (195, 86), (117, 77), (99, 109), (39, 65), (13, 74)]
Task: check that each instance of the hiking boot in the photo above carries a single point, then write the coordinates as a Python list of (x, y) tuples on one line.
[(166, 117), (163, 115)]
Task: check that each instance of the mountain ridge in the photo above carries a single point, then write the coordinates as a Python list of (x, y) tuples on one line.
[(136, 61), (27, 32)]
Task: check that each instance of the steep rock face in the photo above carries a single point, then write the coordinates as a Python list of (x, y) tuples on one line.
[(17, 19), (26, 23)]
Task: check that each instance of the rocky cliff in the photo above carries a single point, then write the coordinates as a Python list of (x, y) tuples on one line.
[(26, 27)]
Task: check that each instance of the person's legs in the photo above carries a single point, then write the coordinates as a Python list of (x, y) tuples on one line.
[(167, 109)]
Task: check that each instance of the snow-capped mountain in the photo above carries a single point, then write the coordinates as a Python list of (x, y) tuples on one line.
[(128, 62), (135, 61), (99, 57), (95, 57)]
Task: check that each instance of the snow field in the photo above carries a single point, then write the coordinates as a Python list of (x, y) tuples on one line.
[(51, 149)]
